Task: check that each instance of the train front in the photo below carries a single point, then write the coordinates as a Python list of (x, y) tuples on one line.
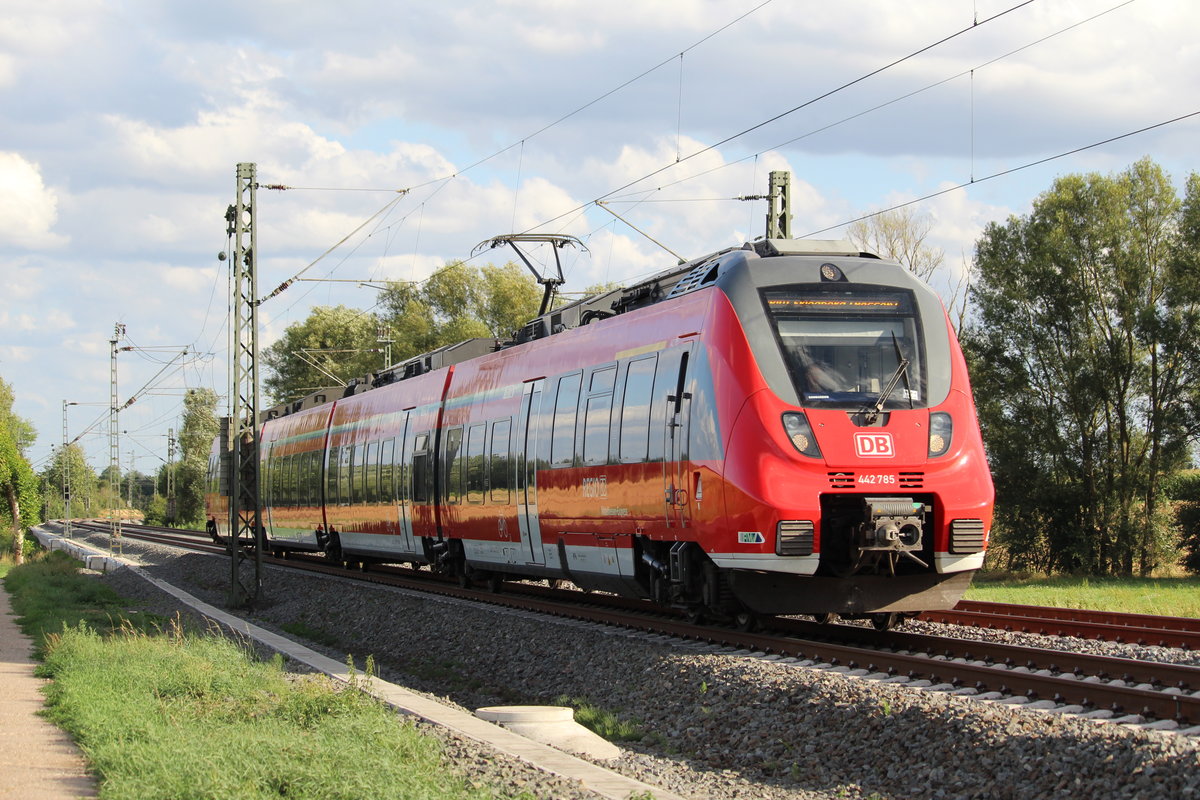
[(859, 452)]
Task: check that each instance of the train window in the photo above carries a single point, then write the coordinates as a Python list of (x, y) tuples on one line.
[(843, 347), (420, 469), (387, 472), (635, 409), (602, 380), (274, 480), (454, 464), (595, 429), (371, 495), (562, 445), (331, 478), (499, 474), (475, 441), (307, 472), (344, 474), (286, 464), (354, 475)]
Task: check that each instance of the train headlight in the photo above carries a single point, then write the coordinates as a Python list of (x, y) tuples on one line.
[(941, 433), (800, 433)]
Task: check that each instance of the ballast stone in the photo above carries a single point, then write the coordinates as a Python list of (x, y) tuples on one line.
[(551, 725)]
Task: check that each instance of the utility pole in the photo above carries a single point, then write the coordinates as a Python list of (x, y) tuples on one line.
[(779, 204), (779, 211), (384, 337), (66, 476), (245, 527), (170, 476), (114, 454)]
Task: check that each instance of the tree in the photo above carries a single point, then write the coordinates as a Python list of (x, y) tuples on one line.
[(899, 234), (82, 479), (196, 433), (329, 348), (21, 506), (1086, 363), (22, 429), (459, 302)]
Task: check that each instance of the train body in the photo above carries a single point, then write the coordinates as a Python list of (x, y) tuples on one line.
[(781, 428)]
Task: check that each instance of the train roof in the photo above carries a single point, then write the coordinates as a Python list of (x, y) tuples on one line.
[(673, 282)]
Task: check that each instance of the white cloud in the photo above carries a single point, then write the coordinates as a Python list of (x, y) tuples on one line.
[(28, 209)]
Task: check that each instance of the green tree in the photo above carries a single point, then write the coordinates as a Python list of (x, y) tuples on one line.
[(82, 477), (196, 433), (1086, 365), (22, 430), (329, 348), (459, 302), (21, 506)]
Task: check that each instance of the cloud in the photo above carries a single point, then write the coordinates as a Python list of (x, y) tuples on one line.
[(28, 209)]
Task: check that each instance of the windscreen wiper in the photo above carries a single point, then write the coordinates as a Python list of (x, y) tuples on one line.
[(873, 412)]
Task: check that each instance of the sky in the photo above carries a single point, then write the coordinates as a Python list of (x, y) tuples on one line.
[(122, 123)]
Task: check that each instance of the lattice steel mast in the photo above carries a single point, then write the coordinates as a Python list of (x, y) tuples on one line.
[(245, 527)]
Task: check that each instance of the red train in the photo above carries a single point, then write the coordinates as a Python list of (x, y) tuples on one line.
[(785, 427)]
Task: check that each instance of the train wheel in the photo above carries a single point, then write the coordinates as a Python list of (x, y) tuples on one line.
[(883, 622), (694, 615), (494, 582), (746, 621), (822, 619)]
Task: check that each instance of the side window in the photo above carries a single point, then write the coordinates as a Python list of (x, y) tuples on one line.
[(597, 413), (345, 474), (498, 468), (356, 474), (331, 479), (454, 464), (289, 480), (562, 446), (475, 441), (387, 472), (635, 409), (275, 481), (371, 495), (420, 469)]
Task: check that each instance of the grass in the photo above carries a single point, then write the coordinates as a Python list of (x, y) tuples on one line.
[(1175, 597), (600, 721), (164, 712)]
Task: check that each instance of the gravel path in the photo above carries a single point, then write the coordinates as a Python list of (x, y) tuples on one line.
[(717, 725)]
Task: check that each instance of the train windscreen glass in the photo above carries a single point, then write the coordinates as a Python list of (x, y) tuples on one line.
[(844, 347)]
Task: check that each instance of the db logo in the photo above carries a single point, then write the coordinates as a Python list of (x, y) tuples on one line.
[(874, 445)]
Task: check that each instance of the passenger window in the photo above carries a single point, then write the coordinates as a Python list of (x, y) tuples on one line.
[(562, 446), (371, 493), (331, 480), (387, 472), (454, 464), (498, 470), (420, 469), (635, 410), (595, 429), (475, 442)]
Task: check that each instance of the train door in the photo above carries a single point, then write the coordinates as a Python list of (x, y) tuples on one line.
[(529, 441), (401, 458), (670, 385)]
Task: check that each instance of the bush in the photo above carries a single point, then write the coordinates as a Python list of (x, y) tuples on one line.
[(1185, 493)]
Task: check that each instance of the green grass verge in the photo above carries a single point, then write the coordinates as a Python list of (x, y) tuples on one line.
[(1174, 597), (162, 712)]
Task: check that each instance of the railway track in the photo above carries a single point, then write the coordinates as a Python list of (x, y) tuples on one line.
[(1102, 686)]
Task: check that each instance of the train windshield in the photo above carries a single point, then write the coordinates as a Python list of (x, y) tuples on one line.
[(844, 346)]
